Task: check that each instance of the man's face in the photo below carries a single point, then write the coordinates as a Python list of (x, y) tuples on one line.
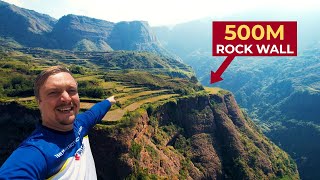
[(59, 101)]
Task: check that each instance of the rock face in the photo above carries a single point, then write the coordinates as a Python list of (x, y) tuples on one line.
[(275, 91), (135, 35), (70, 30), (200, 137), (16, 124)]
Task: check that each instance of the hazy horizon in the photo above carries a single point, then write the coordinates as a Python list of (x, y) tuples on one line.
[(163, 13)]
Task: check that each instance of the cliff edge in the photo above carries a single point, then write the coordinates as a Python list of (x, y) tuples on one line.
[(196, 137)]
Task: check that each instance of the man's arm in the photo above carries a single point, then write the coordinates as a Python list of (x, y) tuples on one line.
[(95, 114), (24, 163)]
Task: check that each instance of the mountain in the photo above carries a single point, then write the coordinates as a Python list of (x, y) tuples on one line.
[(26, 26), (183, 39), (281, 94), (135, 35), (71, 31), (189, 37), (78, 33)]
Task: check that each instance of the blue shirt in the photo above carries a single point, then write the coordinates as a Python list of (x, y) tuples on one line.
[(52, 154)]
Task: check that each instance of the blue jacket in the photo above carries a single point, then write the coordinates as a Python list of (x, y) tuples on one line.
[(52, 154)]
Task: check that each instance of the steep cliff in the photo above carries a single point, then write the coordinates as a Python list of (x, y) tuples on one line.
[(16, 124), (282, 93), (195, 137), (199, 137), (72, 32), (135, 35)]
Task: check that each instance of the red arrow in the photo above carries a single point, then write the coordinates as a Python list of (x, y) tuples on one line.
[(216, 76)]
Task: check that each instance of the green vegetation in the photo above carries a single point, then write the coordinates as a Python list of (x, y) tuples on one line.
[(142, 174), (29, 103), (135, 150), (274, 91), (138, 60), (19, 67), (183, 173), (130, 118), (177, 107), (212, 90), (75, 69), (154, 81), (6, 43), (246, 152), (153, 153), (182, 144)]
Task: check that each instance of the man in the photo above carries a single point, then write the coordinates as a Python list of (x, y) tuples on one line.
[(59, 147)]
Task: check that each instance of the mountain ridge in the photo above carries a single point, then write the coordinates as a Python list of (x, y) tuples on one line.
[(33, 26), (73, 32)]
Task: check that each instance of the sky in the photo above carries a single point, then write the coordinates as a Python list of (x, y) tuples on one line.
[(162, 12)]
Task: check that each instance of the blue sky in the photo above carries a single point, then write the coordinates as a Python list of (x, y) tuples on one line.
[(162, 12)]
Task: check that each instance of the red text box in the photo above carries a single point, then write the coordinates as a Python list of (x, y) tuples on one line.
[(254, 38)]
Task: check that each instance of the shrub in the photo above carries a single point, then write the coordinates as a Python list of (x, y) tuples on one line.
[(97, 92), (135, 150), (152, 152), (75, 69)]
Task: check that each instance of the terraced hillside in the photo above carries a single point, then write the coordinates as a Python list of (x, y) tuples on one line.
[(112, 60), (129, 97), (128, 100), (99, 75)]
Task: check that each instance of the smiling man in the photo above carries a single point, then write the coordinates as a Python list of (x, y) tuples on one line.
[(59, 147)]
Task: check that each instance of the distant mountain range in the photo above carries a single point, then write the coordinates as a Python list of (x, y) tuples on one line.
[(72, 32)]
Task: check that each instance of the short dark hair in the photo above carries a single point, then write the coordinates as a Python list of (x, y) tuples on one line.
[(44, 75)]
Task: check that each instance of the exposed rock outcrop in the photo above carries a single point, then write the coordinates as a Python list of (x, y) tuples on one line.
[(199, 137)]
